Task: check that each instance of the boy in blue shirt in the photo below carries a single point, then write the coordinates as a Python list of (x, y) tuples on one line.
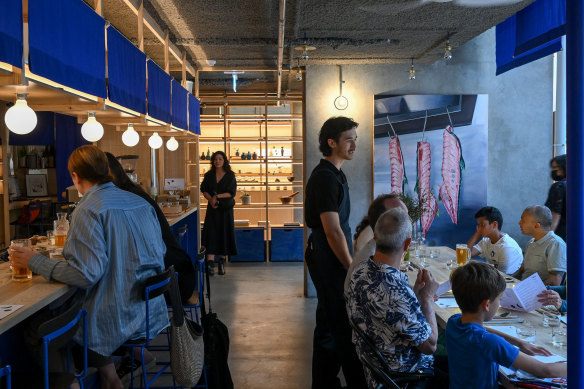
[(475, 352)]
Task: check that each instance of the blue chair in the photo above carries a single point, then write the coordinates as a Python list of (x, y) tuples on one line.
[(153, 287), (55, 334), (5, 372), (182, 236)]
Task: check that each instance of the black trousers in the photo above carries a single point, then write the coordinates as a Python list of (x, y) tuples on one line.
[(333, 348)]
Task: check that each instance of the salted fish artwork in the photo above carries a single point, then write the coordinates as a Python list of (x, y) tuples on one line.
[(452, 166), (396, 160), (423, 188)]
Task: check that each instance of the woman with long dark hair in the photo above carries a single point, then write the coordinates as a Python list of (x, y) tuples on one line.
[(219, 187), (556, 200)]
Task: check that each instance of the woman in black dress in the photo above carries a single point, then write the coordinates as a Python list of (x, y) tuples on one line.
[(219, 187)]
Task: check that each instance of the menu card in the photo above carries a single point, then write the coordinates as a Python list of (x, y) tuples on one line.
[(6, 310), (523, 297)]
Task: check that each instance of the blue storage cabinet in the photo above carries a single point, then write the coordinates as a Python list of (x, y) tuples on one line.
[(250, 245), (191, 222), (287, 244)]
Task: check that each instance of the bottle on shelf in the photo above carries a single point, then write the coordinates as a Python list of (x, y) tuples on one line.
[(208, 154), (237, 152), (248, 155), (282, 152), (203, 156), (254, 155)]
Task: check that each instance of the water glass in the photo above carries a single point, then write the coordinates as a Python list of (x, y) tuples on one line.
[(526, 333), (550, 320), (421, 248), (559, 337), (450, 263), (434, 253)]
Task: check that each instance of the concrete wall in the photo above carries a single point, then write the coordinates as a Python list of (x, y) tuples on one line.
[(520, 120)]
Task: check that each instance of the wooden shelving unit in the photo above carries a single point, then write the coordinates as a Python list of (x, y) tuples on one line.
[(276, 171)]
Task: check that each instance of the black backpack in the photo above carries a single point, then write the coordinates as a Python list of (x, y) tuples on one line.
[(216, 338)]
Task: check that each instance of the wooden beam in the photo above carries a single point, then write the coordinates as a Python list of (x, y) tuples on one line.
[(184, 70), (242, 99), (66, 107), (197, 84), (166, 53), (121, 120), (141, 26), (98, 7)]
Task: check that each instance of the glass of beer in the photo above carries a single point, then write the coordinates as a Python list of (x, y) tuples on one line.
[(20, 273), (462, 254)]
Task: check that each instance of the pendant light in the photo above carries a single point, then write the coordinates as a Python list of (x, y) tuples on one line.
[(447, 49), (20, 118), (412, 71), (155, 141), (130, 137), (172, 144), (341, 102), (92, 130)]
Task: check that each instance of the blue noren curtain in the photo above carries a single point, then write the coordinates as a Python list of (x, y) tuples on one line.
[(11, 32), (42, 135), (179, 106), (67, 44), (539, 23), (68, 138), (194, 115), (505, 50), (158, 93), (126, 71)]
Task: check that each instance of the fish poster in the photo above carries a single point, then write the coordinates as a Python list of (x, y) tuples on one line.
[(413, 134)]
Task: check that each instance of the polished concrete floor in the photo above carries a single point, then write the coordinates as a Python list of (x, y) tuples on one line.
[(270, 324)]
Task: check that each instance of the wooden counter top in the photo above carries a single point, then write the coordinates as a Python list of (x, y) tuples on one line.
[(175, 219), (34, 295)]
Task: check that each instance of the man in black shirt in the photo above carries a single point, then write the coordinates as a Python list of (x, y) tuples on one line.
[(329, 254)]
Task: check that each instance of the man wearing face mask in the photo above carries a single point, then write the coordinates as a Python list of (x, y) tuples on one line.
[(556, 200)]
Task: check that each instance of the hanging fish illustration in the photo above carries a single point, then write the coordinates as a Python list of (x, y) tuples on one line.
[(425, 195), (452, 165), (396, 160)]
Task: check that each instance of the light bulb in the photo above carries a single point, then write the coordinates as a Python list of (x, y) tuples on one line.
[(447, 51), (298, 75), (155, 141), (341, 103), (91, 130), (130, 137), (172, 144), (20, 118)]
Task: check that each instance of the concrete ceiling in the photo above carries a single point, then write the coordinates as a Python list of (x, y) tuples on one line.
[(243, 34)]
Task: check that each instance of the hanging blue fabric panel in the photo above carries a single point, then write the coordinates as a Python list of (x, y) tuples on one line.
[(67, 44), (194, 115), (158, 93), (127, 72), (539, 23), (68, 138), (11, 32), (505, 42), (179, 106), (43, 134)]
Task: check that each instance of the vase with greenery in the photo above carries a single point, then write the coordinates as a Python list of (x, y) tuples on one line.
[(245, 197)]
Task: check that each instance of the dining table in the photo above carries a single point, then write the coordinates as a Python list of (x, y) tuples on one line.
[(441, 267)]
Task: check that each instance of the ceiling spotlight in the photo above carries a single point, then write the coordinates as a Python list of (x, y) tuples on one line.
[(412, 71), (172, 144), (341, 102), (130, 137), (447, 49), (91, 130), (20, 118), (298, 74), (155, 141)]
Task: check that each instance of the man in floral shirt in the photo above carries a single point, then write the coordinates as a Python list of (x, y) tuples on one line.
[(398, 318)]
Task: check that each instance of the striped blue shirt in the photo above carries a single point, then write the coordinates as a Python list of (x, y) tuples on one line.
[(114, 243)]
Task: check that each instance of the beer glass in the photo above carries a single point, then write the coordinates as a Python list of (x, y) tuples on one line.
[(20, 273), (462, 254)]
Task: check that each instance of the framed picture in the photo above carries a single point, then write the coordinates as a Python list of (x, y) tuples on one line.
[(36, 185)]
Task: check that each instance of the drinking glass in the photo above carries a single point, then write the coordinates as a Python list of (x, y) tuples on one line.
[(526, 333), (450, 263), (20, 273), (421, 248), (550, 320), (462, 254), (559, 337), (434, 253)]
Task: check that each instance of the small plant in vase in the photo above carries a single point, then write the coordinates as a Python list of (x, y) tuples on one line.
[(245, 197), (415, 207)]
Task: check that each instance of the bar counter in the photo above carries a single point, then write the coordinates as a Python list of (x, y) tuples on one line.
[(34, 295)]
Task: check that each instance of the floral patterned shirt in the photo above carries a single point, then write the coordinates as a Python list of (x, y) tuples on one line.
[(382, 303)]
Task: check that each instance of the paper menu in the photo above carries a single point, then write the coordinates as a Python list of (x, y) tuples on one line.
[(523, 297), (443, 288), (6, 310)]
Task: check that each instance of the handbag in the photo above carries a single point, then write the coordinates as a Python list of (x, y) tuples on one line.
[(226, 203), (186, 341)]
